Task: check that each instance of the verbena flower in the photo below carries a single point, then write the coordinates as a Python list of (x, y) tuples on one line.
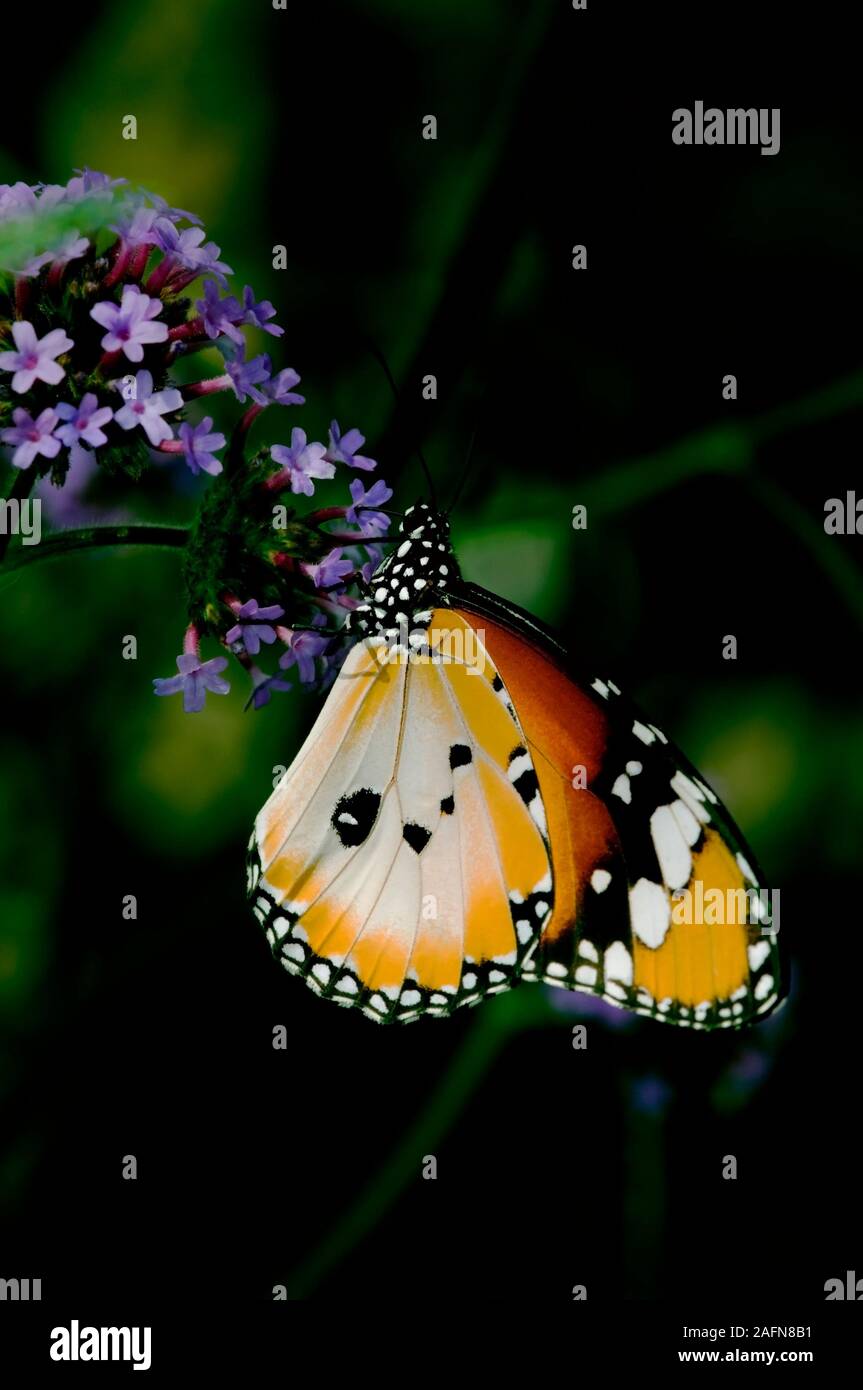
[(245, 378), (375, 556), (195, 679), (254, 625), (31, 437), (199, 443), (96, 275), (263, 687), (363, 504), (342, 448), (281, 389), (302, 462), (33, 358), (148, 408), (188, 250), (84, 422), (303, 650), (259, 314), (129, 324), (220, 315), (330, 572)]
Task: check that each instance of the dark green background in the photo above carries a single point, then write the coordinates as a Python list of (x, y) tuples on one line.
[(556, 1167)]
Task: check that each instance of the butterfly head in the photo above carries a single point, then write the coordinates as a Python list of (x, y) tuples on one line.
[(416, 575)]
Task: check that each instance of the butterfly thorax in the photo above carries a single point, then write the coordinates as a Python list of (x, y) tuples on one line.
[(396, 605)]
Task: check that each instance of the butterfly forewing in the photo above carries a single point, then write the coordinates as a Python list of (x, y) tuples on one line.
[(400, 864)]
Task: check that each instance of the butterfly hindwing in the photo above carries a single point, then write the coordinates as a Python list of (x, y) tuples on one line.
[(658, 902)]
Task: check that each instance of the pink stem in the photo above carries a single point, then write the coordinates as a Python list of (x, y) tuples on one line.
[(138, 261), (208, 385), (278, 481), (193, 329), (118, 269), (181, 279), (192, 641), (326, 514), (159, 275)]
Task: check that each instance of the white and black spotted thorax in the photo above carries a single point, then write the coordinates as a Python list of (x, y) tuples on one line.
[(397, 604)]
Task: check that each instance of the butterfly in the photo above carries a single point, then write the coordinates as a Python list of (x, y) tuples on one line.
[(468, 813)]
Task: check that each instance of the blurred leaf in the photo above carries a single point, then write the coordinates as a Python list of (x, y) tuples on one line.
[(188, 75), (22, 238)]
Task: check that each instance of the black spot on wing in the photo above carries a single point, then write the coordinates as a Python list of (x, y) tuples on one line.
[(417, 836), (459, 755), (354, 816), (526, 783), (447, 805)]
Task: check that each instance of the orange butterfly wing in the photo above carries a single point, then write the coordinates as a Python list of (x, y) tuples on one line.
[(630, 824)]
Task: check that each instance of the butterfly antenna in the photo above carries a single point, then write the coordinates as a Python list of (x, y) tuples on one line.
[(463, 479), (385, 367)]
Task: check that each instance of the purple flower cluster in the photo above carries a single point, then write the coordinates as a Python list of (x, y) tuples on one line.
[(315, 648), (88, 339), (77, 320)]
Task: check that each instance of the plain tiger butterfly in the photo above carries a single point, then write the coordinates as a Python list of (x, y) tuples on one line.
[(430, 844)]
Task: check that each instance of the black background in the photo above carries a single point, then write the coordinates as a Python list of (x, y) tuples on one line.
[(701, 261)]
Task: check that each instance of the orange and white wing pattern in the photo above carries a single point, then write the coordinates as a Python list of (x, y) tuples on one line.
[(401, 864), (659, 903), (431, 845)]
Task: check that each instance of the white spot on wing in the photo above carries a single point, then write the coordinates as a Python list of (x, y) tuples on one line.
[(746, 870), (618, 963), (622, 788), (758, 954), (672, 851), (690, 795), (650, 911), (689, 827)]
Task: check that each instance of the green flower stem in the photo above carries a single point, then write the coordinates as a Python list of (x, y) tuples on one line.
[(97, 537)]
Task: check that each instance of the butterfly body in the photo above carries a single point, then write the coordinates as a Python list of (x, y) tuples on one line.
[(467, 813)]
